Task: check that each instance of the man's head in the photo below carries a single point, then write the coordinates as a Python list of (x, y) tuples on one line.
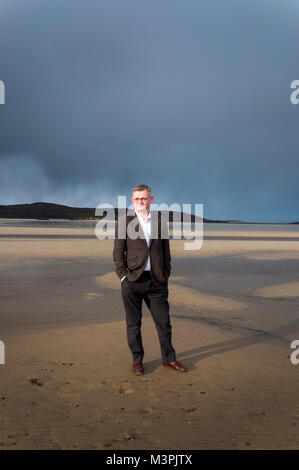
[(142, 198)]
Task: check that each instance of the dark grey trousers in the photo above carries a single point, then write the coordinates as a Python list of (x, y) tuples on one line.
[(156, 299)]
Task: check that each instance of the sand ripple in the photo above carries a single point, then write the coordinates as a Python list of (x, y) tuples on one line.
[(181, 295), (287, 289)]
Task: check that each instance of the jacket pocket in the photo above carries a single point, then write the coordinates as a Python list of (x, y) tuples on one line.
[(132, 261)]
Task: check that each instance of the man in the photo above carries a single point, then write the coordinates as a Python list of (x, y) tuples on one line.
[(143, 265)]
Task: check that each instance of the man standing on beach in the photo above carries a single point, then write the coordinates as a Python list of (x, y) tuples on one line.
[(143, 265)]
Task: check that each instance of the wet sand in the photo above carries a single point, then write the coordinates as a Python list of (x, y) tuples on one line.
[(66, 383)]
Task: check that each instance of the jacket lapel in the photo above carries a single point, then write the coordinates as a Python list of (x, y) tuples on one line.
[(140, 230)]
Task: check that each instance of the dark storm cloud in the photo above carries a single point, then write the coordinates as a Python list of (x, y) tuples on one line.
[(191, 97)]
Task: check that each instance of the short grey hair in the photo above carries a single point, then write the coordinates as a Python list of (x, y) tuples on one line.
[(142, 187)]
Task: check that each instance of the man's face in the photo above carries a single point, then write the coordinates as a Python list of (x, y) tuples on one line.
[(142, 201)]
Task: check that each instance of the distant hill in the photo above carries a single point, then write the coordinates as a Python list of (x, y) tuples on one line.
[(45, 210), (48, 210)]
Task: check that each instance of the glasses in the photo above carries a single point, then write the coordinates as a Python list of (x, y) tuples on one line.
[(141, 199)]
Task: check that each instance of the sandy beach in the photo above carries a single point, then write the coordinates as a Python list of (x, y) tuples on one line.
[(66, 382)]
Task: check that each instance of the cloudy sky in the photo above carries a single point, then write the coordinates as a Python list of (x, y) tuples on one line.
[(189, 96)]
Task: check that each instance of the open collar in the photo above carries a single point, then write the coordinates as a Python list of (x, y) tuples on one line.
[(141, 218)]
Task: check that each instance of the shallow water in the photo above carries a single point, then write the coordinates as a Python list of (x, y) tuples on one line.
[(64, 223)]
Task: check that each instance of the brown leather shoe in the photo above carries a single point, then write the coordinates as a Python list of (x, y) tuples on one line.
[(176, 366), (137, 368)]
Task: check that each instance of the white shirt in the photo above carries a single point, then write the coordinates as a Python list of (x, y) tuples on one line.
[(146, 228)]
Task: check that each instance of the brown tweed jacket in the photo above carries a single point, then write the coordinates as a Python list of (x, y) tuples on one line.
[(130, 255)]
